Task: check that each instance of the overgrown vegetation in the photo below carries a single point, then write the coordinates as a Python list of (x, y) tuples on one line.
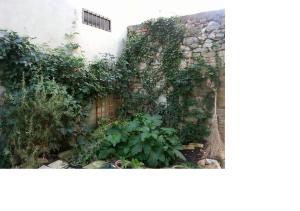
[(36, 121), (143, 138), (152, 60), (48, 92)]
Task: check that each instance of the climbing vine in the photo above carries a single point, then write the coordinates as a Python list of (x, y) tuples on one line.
[(154, 82), (147, 77)]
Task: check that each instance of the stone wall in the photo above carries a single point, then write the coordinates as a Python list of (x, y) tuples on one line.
[(205, 37)]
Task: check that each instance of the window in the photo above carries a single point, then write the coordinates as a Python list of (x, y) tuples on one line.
[(95, 20)]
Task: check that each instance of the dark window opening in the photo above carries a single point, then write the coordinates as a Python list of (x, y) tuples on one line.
[(96, 20)]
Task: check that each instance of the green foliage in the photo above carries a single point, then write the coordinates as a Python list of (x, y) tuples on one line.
[(36, 121), (158, 49), (21, 59), (88, 150), (103, 77), (43, 116), (133, 164), (18, 58), (139, 141), (143, 139), (186, 165)]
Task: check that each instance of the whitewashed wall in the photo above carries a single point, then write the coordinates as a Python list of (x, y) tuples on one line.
[(49, 20)]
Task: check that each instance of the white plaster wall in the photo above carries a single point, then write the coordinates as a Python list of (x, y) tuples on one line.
[(94, 41), (49, 20)]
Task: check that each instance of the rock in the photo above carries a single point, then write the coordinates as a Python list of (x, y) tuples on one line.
[(184, 48), (212, 35), (212, 25), (212, 164), (142, 66), (208, 43), (162, 100), (190, 40), (59, 164), (66, 155), (194, 45), (196, 54), (198, 50), (99, 164), (201, 163), (44, 167), (191, 29), (202, 37), (220, 35), (187, 54), (183, 64), (209, 54), (208, 164)]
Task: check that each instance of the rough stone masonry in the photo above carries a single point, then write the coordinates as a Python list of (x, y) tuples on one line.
[(205, 36)]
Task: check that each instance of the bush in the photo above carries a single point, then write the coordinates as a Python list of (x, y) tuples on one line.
[(129, 164), (36, 121), (103, 76), (87, 150), (142, 139)]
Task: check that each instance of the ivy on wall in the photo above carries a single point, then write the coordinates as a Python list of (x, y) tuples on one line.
[(151, 60), (147, 76)]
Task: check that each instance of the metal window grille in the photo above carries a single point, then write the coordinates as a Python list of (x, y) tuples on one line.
[(95, 20)]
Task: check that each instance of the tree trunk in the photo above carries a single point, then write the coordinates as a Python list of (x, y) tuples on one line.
[(216, 147)]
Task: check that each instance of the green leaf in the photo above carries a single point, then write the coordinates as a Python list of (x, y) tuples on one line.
[(174, 140), (154, 134), (168, 131), (136, 149), (161, 157), (145, 136), (179, 154), (146, 149), (126, 150), (133, 140), (114, 139), (152, 160), (144, 129), (133, 125)]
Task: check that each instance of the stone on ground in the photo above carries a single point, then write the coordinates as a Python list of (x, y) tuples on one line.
[(99, 164), (59, 164), (44, 167), (208, 164)]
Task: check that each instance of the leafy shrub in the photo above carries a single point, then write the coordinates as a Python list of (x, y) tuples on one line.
[(87, 150), (133, 163), (104, 76), (19, 59), (36, 121), (67, 69), (143, 139)]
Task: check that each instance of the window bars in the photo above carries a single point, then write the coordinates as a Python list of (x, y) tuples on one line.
[(96, 20)]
